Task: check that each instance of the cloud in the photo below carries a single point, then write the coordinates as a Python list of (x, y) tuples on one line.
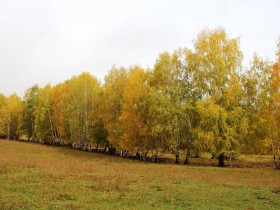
[(50, 41)]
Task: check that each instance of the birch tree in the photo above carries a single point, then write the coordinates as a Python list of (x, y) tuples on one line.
[(217, 61)]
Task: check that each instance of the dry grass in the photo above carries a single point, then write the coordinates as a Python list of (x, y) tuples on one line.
[(35, 176)]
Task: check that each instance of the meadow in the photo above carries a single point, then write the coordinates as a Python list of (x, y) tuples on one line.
[(34, 176)]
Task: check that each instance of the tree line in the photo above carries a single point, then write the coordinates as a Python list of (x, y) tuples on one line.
[(194, 100)]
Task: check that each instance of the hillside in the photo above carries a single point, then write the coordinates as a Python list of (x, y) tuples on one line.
[(44, 177)]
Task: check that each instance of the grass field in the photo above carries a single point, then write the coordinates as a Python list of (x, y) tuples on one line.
[(34, 176)]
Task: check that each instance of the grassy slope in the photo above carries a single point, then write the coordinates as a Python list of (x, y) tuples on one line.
[(44, 177)]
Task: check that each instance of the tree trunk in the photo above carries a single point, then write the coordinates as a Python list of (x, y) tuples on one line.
[(177, 157), (276, 159), (8, 129), (32, 129), (144, 155), (222, 160), (155, 157), (138, 156), (188, 155), (126, 153), (190, 143), (50, 120), (277, 162)]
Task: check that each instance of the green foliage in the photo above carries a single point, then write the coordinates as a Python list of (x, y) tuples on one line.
[(99, 133), (29, 108)]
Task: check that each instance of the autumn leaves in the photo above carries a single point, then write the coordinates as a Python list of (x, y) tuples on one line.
[(200, 100)]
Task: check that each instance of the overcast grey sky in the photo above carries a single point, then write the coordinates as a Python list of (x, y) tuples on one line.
[(52, 40)]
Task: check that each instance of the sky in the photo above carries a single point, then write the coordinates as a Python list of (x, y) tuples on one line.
[(49, 41)]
